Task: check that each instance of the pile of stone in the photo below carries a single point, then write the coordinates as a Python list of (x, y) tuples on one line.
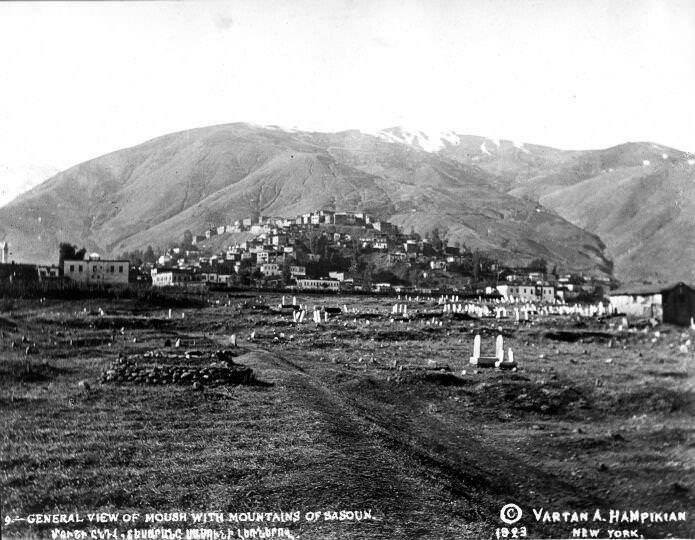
[(225, 355), (222, 373)]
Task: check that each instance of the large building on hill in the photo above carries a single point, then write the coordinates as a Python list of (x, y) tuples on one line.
[(96, 270)]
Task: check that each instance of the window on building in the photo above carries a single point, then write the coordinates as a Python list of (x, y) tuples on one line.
[(113, 269), (80, 268), (120, 269), (72, 268)]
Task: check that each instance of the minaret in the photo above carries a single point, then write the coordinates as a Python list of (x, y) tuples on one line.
[(5, 249)]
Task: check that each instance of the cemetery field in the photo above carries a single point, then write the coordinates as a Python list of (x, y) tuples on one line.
[(376, 414)]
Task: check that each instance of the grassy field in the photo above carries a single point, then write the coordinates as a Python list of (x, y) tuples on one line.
[(362, 414)]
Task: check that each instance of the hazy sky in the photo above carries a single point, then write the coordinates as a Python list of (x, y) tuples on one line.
[(81, 79)]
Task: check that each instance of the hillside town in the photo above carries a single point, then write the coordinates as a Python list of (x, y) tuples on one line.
[(323, 251), (344, 252)]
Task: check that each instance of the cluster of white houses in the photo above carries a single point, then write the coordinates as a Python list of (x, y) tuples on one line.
[(271, 251), (672, 303), (173, 277), (273, 241), (269, 224)]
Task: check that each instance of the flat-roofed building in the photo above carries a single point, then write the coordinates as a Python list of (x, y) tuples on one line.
[(527, 292), (97, 271), (271, 269), (171, 277), (319, 284), (670, 303), (297, 271)]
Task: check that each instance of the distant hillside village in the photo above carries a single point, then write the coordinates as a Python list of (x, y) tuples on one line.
[(343, 252), (321, 250)]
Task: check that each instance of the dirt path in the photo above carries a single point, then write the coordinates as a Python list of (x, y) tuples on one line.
[(416, 465)]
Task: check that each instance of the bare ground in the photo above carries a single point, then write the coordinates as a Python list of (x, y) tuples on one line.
[(351, 416)]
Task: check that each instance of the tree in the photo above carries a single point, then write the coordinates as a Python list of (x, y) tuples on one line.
[(135, 257), (68, 252), (286, 273), (538, 265), (367, 276), (149, 256), (187, 239)]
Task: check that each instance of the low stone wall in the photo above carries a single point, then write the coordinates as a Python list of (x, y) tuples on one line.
[(217, 374)]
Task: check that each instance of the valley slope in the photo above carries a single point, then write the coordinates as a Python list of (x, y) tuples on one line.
[(639, 198), (150, 193)]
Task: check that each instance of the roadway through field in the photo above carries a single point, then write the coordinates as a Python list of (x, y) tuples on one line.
[(420, 472)]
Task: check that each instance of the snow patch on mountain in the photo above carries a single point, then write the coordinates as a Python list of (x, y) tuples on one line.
[(430, 140)]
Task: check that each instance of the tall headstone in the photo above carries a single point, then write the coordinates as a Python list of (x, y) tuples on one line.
[(476, 346), (499, 348)]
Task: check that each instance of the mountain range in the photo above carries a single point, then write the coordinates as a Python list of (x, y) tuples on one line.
[(627, 209)]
